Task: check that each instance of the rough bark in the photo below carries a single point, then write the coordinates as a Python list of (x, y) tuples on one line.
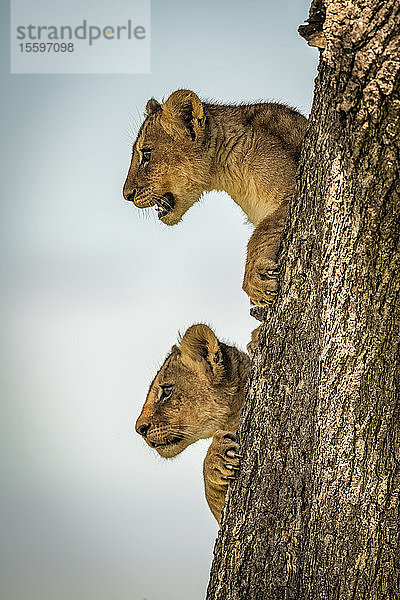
[(314, 513)]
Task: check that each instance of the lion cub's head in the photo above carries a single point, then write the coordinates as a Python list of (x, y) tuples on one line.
[(198, 390), (171, 163)]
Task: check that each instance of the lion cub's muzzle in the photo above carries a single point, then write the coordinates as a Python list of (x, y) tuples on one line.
[(145, 198), (142, 198), (160, 435)]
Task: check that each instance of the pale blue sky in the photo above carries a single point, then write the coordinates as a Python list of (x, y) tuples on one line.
[(93, 296)]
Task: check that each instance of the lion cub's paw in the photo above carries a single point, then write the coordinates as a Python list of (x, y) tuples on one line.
[(222, 460), (261, 281)]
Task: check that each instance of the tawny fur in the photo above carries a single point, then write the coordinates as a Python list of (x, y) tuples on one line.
[(208, 379), (250, 151)]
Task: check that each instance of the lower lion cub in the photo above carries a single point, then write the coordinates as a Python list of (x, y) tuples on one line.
[(198, 393)]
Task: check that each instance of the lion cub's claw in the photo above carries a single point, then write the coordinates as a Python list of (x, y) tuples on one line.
[(270, 298), (274, 273), (261, 281), (270, 274), (235, 472), (222, 460)]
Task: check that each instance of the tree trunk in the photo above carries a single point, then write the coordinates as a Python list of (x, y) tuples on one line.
[(315, 511)]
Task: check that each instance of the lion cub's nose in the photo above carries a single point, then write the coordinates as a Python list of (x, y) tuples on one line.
[(142, 429), (130, 195)]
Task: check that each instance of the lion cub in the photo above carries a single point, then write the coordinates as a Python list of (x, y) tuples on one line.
[(186, 147), (198, 393)]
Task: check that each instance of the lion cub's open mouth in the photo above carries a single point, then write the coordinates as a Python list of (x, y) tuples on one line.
[(171, 442), (165, 205)]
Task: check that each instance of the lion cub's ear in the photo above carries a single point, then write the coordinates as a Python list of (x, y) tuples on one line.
[(183, 115), (152, 107), (201, 351)]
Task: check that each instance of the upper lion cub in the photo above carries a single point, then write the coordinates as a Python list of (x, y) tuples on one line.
[(186, 147)]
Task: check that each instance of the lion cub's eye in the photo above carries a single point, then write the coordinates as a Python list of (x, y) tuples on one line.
[(146, 153), (166, 391)]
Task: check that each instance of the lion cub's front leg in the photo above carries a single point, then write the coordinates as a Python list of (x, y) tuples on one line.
[(220, 467), (262, 271)]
